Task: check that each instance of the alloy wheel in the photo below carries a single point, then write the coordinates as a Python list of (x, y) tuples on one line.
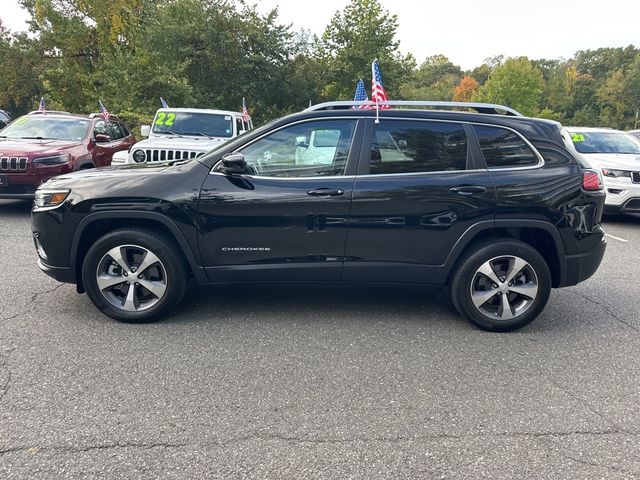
[(504, 287), (131, 278)]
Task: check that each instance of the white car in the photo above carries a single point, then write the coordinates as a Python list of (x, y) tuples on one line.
[(616, 154), (183, 133)]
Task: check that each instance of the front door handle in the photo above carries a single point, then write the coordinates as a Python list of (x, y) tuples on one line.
[(326, 192), (468, 189)]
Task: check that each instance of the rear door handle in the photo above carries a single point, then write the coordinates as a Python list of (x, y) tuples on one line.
[(326, 192), (468, 189)]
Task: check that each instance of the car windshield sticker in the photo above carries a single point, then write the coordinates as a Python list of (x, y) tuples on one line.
[(227, 117), (577, 137), (165, 119)]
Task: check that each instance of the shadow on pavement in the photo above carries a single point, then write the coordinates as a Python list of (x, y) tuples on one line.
[(311, 302)]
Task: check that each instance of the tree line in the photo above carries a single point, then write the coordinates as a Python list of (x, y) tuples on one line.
[(211, 53)]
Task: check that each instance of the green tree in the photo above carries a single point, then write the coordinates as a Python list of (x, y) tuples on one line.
[(362, 32), (515, 83), (435, 79), (20, 84)]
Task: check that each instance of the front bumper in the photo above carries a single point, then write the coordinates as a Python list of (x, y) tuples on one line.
[(622, 195), (23, 185), (25, 192), (61, 274)]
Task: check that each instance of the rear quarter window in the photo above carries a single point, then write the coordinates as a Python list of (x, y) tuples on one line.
[(503, 148)]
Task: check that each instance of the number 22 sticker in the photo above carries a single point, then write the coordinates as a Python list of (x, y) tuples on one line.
[(165, 119)]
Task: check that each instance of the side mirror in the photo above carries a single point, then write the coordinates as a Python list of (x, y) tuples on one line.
[(234, 164), (145, 130), (402, 144), (102, 138)]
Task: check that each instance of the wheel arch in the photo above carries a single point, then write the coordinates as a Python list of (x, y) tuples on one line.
[(540, 235), (95, 225)]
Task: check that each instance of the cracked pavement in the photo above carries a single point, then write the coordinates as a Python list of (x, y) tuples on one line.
[(317, 382)]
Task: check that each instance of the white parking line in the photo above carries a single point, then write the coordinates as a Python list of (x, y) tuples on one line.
[(616, 238)]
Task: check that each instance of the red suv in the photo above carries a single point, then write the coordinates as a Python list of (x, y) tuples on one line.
[(38, 146)]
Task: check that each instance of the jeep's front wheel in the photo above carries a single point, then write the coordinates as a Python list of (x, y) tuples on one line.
[(501, 286), (134, 275)]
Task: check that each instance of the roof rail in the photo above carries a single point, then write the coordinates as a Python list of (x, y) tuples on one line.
[(479, 107), (55, 112), (98, 114)]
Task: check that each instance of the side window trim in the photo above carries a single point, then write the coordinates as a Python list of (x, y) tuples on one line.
[(475, 159), (535, 151)]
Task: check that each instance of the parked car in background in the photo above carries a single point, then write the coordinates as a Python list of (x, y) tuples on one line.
[(492, 204), (183, 133), (635, 133), (5, 118), (38, 146), (616, 154)]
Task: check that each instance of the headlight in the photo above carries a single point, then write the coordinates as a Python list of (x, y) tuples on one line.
[(139, 156), (48, 199), (53, 160), (609, 172)]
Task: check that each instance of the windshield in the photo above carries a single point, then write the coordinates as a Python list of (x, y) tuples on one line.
[(195, 124), (50, 128), (605, 142)]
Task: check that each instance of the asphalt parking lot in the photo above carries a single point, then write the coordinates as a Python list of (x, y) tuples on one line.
[(317, 382)]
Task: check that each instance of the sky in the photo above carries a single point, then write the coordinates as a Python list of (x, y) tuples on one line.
[(468, 31)]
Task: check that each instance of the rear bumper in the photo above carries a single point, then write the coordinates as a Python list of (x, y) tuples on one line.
[(580, 267)]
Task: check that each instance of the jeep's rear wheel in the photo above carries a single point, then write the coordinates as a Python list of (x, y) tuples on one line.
[(134, 275), (501, 286)]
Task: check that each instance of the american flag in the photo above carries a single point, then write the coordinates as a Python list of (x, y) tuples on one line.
[(41, 107), (245, 112), (378, 94), (103, 111), (164, 103), (360, 95)]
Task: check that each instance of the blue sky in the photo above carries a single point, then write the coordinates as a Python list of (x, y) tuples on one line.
[(468, 31)]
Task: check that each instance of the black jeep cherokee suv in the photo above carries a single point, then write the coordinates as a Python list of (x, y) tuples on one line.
[(488, 202)]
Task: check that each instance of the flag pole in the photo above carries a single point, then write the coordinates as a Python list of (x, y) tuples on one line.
[(373, 79)]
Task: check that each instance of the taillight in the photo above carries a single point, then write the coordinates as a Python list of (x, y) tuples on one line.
[(591, 180)]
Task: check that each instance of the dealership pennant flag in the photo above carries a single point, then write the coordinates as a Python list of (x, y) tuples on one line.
[(164, 103), (41, 107), (245, 112), (360, 95), (378, 94), (103, 111)]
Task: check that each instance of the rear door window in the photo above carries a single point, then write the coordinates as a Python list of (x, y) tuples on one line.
[(406, 146)]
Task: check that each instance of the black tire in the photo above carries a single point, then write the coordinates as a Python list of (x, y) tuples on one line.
[(167, 276), (469, 283)]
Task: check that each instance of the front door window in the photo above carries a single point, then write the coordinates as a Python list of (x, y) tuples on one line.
[(310, 149)]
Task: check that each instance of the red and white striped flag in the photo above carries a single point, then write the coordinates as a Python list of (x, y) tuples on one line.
[(245, 112), (103, 111), (378, 93)]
